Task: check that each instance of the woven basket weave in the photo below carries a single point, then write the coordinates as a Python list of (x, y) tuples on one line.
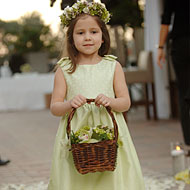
[(94, 157)]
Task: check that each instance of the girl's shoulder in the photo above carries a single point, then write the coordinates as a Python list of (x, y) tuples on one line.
[(110, 57), (64, 63)]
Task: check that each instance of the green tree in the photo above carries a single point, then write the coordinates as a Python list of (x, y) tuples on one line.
[(28, 34)]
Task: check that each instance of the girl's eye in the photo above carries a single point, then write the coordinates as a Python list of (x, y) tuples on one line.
[(94, 32), (80, 33)]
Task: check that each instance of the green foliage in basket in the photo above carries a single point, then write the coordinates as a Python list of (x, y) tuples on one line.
[(88, 134), (102, 132)]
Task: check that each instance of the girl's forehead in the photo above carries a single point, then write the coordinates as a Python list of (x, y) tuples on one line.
[(86, 22)]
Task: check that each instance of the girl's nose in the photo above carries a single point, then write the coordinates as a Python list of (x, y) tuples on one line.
[(87, 36)]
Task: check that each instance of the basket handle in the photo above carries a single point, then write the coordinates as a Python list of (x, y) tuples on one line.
[(108, 108)]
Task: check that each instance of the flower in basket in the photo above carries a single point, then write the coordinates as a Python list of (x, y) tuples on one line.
[(92, 135), (81, 136)]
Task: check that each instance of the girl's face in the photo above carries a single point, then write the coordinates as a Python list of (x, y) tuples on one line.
[(87, 35)]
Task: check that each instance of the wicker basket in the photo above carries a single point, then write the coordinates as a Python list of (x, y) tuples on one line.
[(94, 157)]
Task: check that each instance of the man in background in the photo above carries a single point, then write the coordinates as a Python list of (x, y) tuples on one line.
[(178, 12)]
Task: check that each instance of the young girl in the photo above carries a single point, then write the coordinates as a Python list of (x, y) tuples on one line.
[(89, 73)]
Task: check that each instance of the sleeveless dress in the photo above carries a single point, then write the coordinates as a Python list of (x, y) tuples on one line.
[(90, 81)]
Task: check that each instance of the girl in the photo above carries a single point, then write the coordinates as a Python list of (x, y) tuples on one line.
[(89, 73)]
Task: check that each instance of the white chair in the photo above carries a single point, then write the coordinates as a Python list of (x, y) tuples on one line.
[(143, 74)]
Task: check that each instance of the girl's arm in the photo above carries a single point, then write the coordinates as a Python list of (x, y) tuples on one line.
[(122, 101), (58, 107)]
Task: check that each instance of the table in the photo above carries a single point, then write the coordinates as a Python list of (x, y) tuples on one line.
[(25, 91)]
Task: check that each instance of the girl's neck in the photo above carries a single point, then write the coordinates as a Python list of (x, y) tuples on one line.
[(88, 59)]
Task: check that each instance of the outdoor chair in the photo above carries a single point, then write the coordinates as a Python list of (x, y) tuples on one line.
[(143, 74)]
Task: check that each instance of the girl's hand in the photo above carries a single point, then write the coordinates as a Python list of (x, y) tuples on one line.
[(77, 101), (103, 100)]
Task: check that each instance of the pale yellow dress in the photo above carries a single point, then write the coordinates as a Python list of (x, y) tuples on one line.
[(91, 80)]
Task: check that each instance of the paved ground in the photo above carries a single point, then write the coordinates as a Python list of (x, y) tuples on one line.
[(27, 138)]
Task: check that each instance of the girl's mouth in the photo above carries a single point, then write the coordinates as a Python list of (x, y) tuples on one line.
[(88, 45)]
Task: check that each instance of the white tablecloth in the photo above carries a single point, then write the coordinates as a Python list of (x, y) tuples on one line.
[(25, 91)]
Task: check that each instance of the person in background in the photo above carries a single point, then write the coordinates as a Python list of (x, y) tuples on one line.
[(178, 12)]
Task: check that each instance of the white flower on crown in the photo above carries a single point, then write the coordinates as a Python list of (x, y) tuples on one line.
[(86, 10), (73, 15), (90, 4), (83, 1), (75, 6), (71, 9), (65, 10), (103, 5)]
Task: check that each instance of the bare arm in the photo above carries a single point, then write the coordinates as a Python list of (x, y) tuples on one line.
[(58, 106), (163, 35), (122, 101)]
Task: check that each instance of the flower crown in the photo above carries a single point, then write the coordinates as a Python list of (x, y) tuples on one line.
[(92, 8)]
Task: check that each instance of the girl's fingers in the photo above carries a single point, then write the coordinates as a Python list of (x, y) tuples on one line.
[(99, 102), (78, 101), (101, 99), (97, 99), (104, 102), (107, 104), (75, 104), (82, 98)]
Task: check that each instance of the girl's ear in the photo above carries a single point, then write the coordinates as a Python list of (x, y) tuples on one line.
[(102, 41)]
